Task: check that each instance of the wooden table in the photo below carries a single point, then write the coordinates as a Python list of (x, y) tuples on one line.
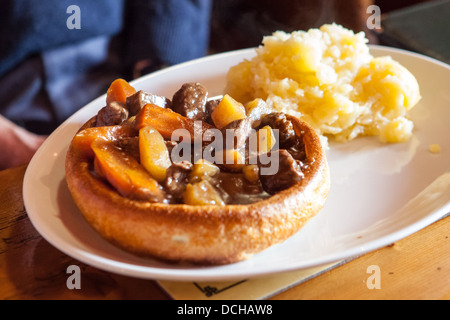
[(417, 267)]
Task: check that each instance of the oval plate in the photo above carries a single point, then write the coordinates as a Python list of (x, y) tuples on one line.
[(380, 192)]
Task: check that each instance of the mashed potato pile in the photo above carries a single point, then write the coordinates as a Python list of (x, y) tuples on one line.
[(328, 78)]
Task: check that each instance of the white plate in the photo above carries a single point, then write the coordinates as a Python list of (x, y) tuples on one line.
[(372, 202)]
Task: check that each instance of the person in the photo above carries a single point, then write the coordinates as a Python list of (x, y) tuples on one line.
[(57, 55), (48, 69)]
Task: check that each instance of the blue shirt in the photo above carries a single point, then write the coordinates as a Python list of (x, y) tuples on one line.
[(48, 71)]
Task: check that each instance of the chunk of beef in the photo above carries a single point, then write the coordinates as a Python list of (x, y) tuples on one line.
[(239, 130), (210, 107), (177, 179), (190, 101), (113, 114), (278, 121), (297, 150), (138, 100), (286, 171), (130, 146), (170, 145), (232, 146)]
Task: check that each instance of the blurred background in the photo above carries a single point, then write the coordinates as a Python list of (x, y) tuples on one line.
[(261, 17), (48, 71)]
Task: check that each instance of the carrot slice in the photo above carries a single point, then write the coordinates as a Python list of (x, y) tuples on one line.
[(83, 140), (166, 121), (119, 90), (125, 174)]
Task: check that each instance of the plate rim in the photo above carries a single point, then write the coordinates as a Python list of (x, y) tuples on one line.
[(157, 273)]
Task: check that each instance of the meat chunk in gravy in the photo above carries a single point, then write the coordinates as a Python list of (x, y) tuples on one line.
[(278, 121), (287, 172), (113, 114), (209, 108), (190, 101), (130, 146), (138, 100), (239, 131), (177, 178)]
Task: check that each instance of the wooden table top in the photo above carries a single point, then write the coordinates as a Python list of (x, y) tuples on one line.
[(417, 267)]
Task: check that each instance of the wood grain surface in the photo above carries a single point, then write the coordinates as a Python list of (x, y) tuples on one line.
[(417, 267)]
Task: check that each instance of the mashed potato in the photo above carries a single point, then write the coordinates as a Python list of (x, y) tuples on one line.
[(328, 78)]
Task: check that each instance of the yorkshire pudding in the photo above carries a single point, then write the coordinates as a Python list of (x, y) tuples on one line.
[(199, 234)]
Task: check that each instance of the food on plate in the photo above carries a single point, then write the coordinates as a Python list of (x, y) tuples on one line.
[(328, 78), (190, 179), (434, 148), (227, 111)]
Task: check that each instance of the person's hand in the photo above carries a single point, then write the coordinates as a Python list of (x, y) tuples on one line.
[(17, 145)]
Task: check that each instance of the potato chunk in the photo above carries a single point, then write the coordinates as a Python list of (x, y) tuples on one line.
[(202, 193), (251, 173), (265, 139), (256, 108), (203, 169), (227, 111), (154, 154), (232, 160)]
